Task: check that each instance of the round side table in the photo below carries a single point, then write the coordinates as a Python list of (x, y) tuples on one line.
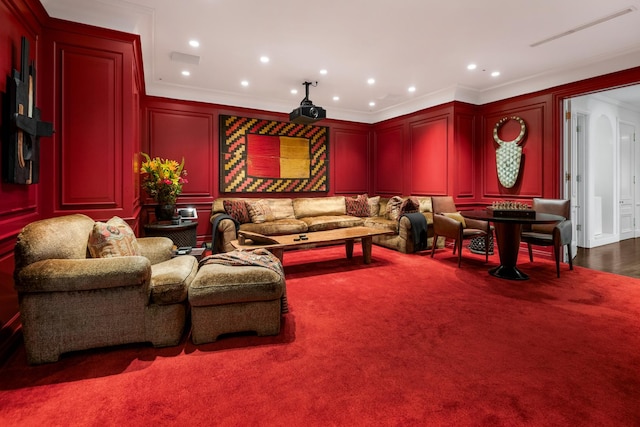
[(183, 234)]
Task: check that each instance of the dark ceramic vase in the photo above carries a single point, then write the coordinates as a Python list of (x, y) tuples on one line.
[(165, 212)]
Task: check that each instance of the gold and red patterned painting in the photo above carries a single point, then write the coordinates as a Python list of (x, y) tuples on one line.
[(266, 156)]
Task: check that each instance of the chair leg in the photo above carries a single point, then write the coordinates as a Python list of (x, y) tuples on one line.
[(570, 257), (530, 252), (459, 244), (433, 246)]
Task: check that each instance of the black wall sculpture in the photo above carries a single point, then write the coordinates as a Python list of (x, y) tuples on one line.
[(22, 127)]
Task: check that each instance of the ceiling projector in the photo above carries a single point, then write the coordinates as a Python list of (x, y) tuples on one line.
[(307, 113)]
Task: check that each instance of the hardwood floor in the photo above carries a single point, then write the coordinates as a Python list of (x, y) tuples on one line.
[(621, 258)]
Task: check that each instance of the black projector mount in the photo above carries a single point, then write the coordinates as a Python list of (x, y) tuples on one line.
[(307, 113)]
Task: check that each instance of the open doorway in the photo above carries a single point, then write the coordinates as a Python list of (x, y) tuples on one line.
[(602, 166)]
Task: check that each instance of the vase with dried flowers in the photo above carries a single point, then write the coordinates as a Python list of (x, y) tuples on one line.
[(162, 180)]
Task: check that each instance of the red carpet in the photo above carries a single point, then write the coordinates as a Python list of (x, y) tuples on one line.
[(407, 340)]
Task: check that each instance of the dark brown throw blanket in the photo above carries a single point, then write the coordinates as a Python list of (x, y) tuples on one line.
[(258, 258)]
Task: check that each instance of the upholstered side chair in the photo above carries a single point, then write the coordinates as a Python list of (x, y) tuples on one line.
[(557, 235), (449, 223)]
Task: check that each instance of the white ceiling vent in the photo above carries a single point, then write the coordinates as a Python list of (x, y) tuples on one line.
[(585, 26), (185, 57)]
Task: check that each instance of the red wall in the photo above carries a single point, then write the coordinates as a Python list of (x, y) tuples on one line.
[(19, 204), (431, 152)]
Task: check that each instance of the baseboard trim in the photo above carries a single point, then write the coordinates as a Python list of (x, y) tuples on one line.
[(10, 336)]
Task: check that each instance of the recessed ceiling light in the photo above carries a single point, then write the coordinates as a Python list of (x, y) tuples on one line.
[(371, 81), (323, 72), (412, 89), (495, 74), (194, 43), (294, 91), (186, 73), (472, 67), (336, 98), (372, 104), (244, 83), (264, 59)]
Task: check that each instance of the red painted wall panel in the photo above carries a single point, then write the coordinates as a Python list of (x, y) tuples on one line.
[(351, 161), (428, 154), (388, 161), (538, 154), (91, 158), (189, 135), (464, 156)]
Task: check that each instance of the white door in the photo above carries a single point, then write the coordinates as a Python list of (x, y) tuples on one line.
[(627, 181)]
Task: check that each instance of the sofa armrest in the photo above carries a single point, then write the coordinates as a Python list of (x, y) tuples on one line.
[(446, 226), (477, 224), (66, 275), (224, 233), (564, 228), (156, 249)]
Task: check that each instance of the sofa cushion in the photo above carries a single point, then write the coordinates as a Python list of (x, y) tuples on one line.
[(237, 209), (279, 226), (317, 206), (170, 279), (259, 211), (358, 206), (281, 208), (425, 204), (382, 223), (331, 222), (392, 211), (113, 238)]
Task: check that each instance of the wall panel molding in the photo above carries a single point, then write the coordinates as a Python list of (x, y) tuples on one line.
[(388, 160), (350, 151), (428, 143)]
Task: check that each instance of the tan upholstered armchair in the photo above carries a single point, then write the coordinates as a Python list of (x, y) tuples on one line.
[(448, 223), (556, 235), (70, 301)]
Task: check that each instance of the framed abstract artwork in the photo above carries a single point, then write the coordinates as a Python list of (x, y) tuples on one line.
[(266, 156)]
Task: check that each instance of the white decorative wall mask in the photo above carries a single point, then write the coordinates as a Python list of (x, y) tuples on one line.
[(509, 153)]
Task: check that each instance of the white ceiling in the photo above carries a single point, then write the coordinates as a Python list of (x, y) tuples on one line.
[(400, 43)]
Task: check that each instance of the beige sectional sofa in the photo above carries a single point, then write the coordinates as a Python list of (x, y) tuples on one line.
[(308, 214)]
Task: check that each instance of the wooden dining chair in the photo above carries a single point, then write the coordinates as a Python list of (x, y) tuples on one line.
[(556, 235), (449, 223)]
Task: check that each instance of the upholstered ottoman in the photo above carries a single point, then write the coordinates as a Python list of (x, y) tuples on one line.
[(226, 299)]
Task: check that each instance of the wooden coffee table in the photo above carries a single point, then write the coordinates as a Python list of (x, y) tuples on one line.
[(277, 244)]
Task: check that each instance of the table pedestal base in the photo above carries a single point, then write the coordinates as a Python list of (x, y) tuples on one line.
[(511, 273)]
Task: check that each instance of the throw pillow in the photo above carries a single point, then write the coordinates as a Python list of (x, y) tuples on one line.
[(409, 205), (393, 208), (237, 209), (358, 206), (374, 206), (259, 211), (457, 216), (113, 238), (425, 204)]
